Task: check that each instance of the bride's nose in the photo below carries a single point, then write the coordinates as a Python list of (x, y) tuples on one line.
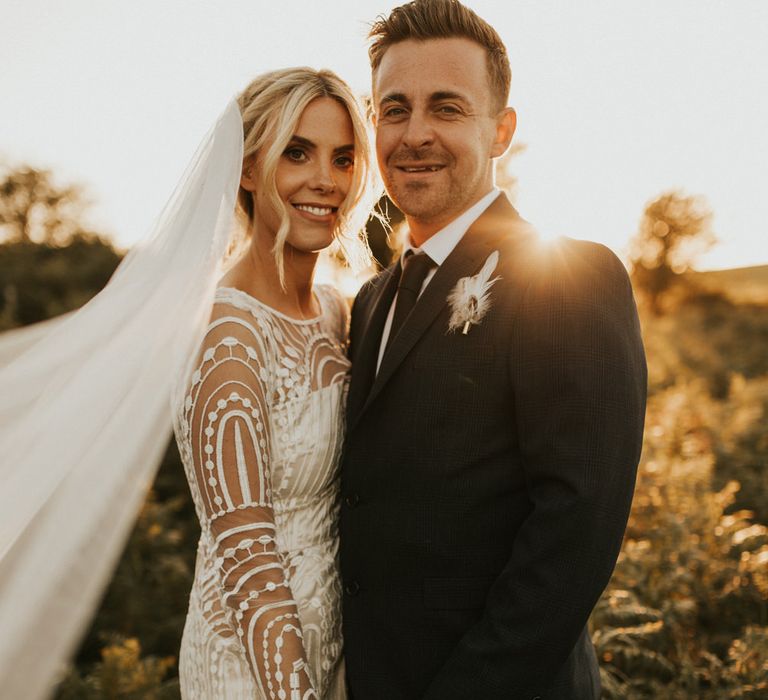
[(322, 179)]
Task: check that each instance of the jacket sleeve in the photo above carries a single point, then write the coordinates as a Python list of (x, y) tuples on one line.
[(579, 379)]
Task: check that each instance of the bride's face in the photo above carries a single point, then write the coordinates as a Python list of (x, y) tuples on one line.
[(313, 176)]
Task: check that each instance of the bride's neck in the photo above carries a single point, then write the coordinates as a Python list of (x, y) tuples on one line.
[(256, 273)]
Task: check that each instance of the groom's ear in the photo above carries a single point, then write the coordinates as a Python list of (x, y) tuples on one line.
[(370, 109), (506, 122)]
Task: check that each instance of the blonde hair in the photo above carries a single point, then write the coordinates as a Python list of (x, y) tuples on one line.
[(271, 107), (443, 19)]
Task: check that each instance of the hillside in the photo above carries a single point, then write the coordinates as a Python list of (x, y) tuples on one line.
[(741, 284)]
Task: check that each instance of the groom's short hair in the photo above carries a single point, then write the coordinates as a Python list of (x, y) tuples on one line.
[(443, 19)]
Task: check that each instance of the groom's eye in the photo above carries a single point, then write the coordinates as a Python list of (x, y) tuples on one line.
[(393, 112), (448, 111)]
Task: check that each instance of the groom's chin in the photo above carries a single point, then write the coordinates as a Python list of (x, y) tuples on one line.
[(419, 200)]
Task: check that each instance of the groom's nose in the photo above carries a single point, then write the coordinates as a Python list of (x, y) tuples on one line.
[(419, 130)]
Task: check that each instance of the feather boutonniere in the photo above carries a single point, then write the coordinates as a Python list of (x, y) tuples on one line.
[(470, 298)]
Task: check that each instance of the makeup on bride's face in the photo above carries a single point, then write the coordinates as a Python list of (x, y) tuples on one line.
[(314, 175)]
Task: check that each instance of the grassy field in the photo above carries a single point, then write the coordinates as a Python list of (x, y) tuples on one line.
[(686, 612)]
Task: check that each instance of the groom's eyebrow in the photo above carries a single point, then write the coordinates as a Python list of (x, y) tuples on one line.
[(446, 95), (439, 96), (396, 97)]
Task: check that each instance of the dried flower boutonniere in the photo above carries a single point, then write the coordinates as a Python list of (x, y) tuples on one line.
[(470, 298)]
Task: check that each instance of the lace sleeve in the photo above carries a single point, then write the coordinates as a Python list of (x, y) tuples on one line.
[(231, 449)]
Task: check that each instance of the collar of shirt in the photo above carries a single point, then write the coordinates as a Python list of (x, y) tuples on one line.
[(439, 247), (441, 244)]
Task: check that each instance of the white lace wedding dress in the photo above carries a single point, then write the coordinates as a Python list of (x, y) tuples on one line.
[(260, 433)]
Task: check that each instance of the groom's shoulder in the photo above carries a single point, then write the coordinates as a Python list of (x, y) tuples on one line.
[(548, 261), (572, 272), (587, 258), (574, 264)]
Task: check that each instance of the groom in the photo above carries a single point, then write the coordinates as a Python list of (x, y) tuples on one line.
[(495, 412)]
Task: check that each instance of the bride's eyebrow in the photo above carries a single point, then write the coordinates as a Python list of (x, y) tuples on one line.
[(301, 141)]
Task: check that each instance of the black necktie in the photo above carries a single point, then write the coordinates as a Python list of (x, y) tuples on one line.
[(415, 269)]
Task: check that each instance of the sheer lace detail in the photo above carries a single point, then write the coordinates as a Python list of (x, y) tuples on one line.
[(260, 433)]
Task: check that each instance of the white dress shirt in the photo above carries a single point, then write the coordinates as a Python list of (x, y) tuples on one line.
[(438, 247)]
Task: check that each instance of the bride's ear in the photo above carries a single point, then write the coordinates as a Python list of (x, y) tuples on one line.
[(248, 176)]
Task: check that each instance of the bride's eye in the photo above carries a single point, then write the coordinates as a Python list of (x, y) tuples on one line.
[(344, 161), (296, 154)]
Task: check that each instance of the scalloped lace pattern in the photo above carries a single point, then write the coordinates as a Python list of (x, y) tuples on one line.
[(260, 433)]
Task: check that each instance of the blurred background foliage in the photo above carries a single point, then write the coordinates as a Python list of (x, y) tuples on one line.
[(686, 612)]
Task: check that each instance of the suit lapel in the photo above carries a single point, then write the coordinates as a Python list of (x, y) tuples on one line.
[(367, 354), (497, 223)]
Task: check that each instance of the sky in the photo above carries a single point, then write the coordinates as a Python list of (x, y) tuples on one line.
[(616, 101)]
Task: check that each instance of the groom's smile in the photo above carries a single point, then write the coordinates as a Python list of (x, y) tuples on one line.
[(420, 168), (415, 172)]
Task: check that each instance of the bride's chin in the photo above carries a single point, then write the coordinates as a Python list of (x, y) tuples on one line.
[(309, 245)]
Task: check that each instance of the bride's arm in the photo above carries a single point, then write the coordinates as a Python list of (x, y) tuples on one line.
[(231, 448)]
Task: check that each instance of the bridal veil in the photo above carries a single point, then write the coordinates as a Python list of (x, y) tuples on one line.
[(85, 415)]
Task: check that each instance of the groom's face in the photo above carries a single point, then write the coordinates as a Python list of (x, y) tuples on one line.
[(436, 133)]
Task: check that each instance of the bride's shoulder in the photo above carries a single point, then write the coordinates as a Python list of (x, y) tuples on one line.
[(331, 293), (233, 298), (233, 314), (333, 303), (230, 301)]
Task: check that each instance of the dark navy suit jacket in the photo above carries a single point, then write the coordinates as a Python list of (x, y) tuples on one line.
[(487, 477)]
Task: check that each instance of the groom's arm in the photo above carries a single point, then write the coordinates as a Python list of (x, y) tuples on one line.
[(579, 382)]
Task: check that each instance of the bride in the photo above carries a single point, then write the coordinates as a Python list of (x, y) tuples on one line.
[(261, 426), (256, 367)]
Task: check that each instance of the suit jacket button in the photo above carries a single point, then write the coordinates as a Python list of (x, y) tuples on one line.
[(352, 500), (352, 588)]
